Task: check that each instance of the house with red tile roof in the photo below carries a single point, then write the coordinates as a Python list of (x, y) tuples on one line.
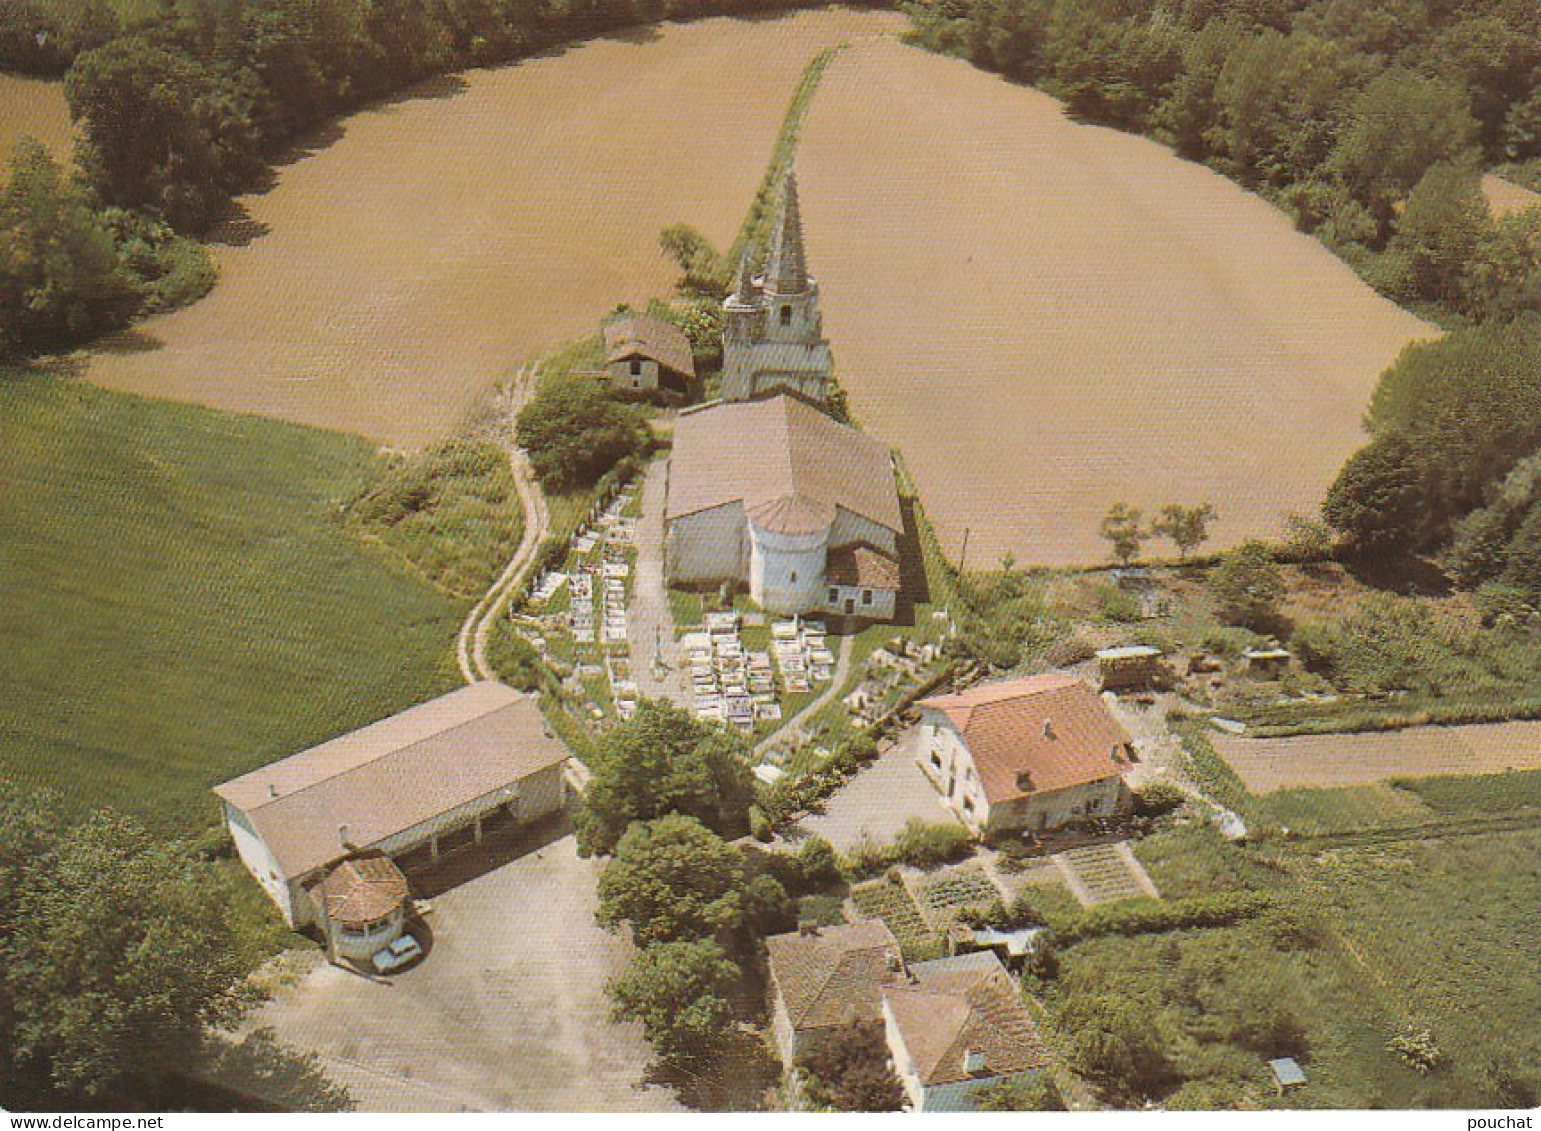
[(956, 1026), (828, 981), (1026, 755), (647, 354)]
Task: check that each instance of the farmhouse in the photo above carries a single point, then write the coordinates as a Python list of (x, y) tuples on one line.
[(329, 832), (775, 494), (772, 331), (956, 1026), (647, 354), (826, 981), (1029, 754)]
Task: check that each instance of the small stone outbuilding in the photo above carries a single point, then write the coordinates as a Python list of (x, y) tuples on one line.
[(646, 354)]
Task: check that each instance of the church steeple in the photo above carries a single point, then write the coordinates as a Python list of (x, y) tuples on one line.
[(787, 272), (744, 288)]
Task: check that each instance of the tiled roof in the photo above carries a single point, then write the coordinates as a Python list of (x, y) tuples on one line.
[(642, 335), (759, 452), (834, 977), (792, 514), (393, 775), (954, 1007), (1028, 736), (362, 890), (861, 565)]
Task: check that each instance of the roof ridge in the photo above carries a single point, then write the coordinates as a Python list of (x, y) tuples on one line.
[(391, 753)]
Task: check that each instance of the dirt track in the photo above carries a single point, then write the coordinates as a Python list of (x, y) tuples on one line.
[(35, 107), (443, 240), (1048, 317)]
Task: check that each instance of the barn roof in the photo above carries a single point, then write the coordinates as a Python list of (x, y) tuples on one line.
[(835, 976), (393, 775), (961, 1019), (642, 335), (1029, 736), (785, 461)]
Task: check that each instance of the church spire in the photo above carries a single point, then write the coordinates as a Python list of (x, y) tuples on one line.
[(787, 273), (743, 289)]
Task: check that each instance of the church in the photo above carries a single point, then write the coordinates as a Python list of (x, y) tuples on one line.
[(772, 333), (764, 489)]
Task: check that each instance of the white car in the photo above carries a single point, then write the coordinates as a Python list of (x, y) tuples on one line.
[(403, 952)]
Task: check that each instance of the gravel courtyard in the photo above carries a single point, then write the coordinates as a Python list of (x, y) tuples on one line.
[(506, 1012), (879, 800)]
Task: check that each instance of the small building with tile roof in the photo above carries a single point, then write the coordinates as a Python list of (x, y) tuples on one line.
[(958, 1025), (401, 792), (1027, 755), (827, 981), (774, 495), (647, 354)]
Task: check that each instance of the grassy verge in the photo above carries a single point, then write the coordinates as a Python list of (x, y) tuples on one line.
[(452, 512), (182, 603)]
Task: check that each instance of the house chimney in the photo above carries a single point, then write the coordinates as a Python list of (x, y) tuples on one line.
[(272, 790), (974, 1062), (1048, 728), (342, 836)]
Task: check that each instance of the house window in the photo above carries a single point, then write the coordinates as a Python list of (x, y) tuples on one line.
[(834, 595), (866, 596), (1094, 804), (968, 804), (786, 315), (636, 368), (936, 759)]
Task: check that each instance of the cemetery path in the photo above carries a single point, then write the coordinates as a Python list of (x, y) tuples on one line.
[(789, 729), (471, 644), (649, 623)]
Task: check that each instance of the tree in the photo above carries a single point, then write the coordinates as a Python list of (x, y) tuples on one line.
[(1247, 586), (1115, 1044), (574, 432), (1439, 236), (162, 131), (681, 992), (703, 270), (660, 761), (851, 1073), (1187, 527), (671, 879), (1121, 526), (1035, 1093), (61, 279), (119, 954), (1401, 125)]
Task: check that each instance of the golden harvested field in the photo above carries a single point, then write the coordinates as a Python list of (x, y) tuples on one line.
[(1047, 318), (35, 107), (443, 240), (1505, 197), (1267, 764)]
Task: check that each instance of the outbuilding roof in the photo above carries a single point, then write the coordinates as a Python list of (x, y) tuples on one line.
[(859, 565), (785, 461), (961, 1019), (1029, 736), (371, 784), (362, 890), (642, 335), (834, 976)]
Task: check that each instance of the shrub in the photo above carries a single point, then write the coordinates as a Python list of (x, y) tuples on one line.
[(1415, 1047), (1248, 586), (1036, 1093), (929, 846), (575, 432), (1157, 798), (852, 1073), (1150, 916)]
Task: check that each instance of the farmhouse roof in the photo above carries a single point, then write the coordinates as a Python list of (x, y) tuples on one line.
[(861, 565), (835, 976), (786, 273), (362, 890), (960, 1019), (388, 777), (642, 335), (1033, 735), (779, 451)]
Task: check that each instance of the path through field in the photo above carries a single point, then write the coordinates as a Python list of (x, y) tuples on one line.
[(444, 239), (1047, 317), (35, 107)]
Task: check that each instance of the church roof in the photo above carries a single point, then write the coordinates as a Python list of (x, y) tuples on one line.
[(859, 565), (642, 335), (782, 459), (786, 273)]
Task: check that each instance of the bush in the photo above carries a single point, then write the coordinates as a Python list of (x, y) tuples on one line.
[(1150, 916), (1247, 587), (1416, 1048), (575, 432), (929, 846), (1157, 798), (851, 1073)]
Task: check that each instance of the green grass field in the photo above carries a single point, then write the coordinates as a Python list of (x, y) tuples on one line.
[(179, 601)]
